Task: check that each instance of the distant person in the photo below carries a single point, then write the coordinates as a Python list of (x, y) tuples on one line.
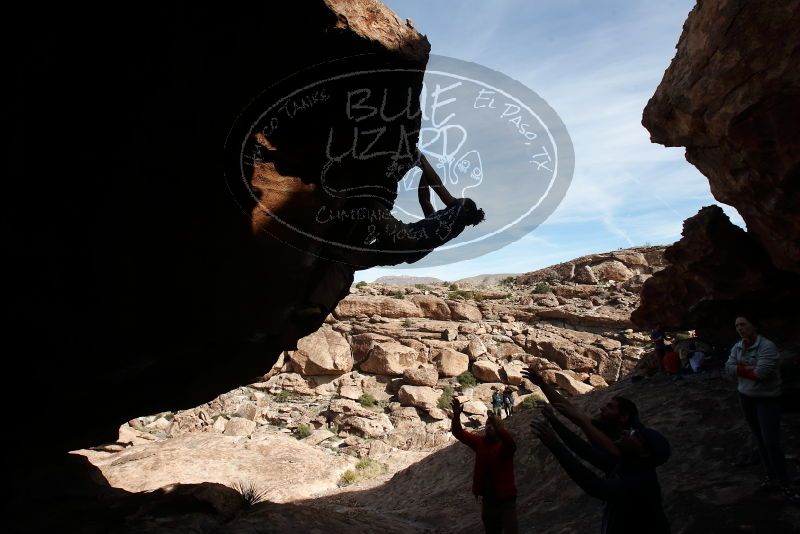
[(493, 475), (497, 402), (508, 401), (659, 345), (754, 360), (329, 413), (630, 488)]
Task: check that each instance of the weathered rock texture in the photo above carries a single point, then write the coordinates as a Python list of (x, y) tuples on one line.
[(718, 271), (731, 96), (140, 275)]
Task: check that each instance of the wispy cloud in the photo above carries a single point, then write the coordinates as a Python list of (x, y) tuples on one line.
[(596, 64)]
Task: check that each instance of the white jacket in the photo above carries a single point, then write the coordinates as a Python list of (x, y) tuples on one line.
[(764, 358)]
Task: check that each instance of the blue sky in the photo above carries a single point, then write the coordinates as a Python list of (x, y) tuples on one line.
[(597, 64)]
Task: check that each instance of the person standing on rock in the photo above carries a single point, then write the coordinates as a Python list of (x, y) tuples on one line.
[(508, 400), (493, 475), (754, 360), (497, 402)]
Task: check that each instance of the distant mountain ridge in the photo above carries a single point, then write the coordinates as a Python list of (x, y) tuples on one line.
[(406, 280), (477, 280)]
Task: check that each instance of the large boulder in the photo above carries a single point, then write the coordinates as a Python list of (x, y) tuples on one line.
[(418, 396), (362, 344), (554, 347), (432, 307), (716, 270), (513, 372), (353, 417), (390, 358), (239, 426), (732, 84), (450, 362), (291, 382), (585, 275), (475, 407), (570, 384), (475, 348), (486, 371), (423, 375), (325, 352), (461, 311), (612, 270), (355, 305)]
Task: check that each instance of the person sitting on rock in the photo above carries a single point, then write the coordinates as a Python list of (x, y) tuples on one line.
[(630, 488), (493, 475), (697, 358)]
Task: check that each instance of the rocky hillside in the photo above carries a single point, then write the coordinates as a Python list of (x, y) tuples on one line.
[(381, 370)]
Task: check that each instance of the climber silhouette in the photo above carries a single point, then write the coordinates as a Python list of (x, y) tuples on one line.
[(493, 475), (430, 180), (382, 240)]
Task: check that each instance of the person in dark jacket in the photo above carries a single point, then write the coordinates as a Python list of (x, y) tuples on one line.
[(508, 401), (493, 475), (616, 417), (630, 487)]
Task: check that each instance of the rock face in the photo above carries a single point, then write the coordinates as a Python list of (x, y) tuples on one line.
[(205, 457), (418, 396), (487, 371), (390, 359), (383, 306), (731, 85), (460, 311), (421, 376), (450, 362), (171, 270), (325, 352), (546, 318), (731, 96), (718, 271)]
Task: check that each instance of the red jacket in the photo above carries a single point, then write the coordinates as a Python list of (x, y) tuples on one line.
[(494, 463)]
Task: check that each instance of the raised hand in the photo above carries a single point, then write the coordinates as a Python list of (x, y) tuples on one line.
[(548, 413), (456, 407), (533, 375), (545, 433), (569, 410)]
